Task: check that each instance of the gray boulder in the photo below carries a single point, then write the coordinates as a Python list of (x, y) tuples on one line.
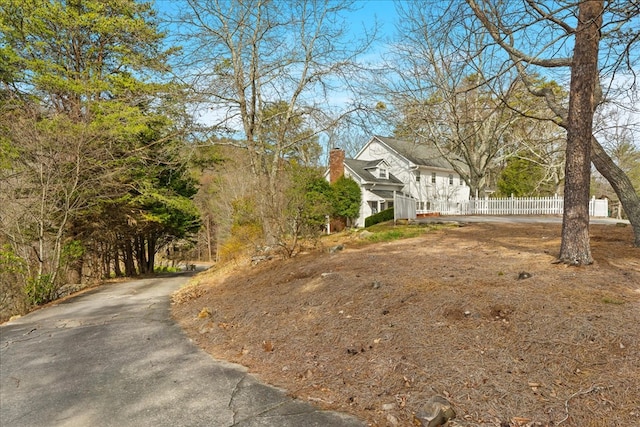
[(436, 412)]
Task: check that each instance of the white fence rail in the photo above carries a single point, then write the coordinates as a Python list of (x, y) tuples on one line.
[(512, 206), (404, 207), (444, 207)]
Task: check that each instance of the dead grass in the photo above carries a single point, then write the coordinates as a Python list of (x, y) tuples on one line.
[(377, 329)]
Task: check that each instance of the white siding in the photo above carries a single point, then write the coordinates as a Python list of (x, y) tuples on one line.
[(441, 190), (403, 169), (365, 209), (398, 165)]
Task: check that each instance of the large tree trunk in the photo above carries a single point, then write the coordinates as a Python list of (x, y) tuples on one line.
[(151, 252), (106, 259), (621, 185), (127, 252), (575, 248), (116, 262), (141, 255)]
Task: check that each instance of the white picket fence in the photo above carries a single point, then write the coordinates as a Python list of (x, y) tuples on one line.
[(511, 206)]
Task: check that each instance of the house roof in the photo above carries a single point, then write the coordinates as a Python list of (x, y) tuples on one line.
[(361, 168), (372, 164), (416, 153), (386, 194)]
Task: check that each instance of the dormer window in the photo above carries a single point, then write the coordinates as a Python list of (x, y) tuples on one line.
[(382, 172)]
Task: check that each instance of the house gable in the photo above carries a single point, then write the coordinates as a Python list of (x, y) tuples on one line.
[(378, 168), (409, 154)]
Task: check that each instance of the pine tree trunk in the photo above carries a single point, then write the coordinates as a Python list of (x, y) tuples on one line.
[(621, 185), (141, 257), (116, 262), (106, 260), (129, 267), (575, 248), (151, 253)]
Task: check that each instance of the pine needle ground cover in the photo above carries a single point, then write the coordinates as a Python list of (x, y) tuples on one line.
[(478, 314)]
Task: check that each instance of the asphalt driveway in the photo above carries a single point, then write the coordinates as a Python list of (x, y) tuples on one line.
[(114, 357)]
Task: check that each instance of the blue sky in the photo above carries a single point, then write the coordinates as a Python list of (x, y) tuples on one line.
[(381, 10), (368, 10)]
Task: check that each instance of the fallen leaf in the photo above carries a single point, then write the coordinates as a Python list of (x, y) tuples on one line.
[(520, 421), (205, 312), (267, 346)]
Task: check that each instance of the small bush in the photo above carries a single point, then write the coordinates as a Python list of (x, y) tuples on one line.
[(231, 249), (347, 197), (242, 240), (385, 215), (166, 269), (13, 273), (40, 290)]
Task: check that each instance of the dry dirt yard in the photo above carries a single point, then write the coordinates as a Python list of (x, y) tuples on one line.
[(376, 330)]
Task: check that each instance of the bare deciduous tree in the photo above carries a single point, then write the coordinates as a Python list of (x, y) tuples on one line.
[(246, 57), (536, 36), (451, 88)]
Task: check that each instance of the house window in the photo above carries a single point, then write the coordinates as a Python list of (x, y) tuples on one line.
[(417, 176), (433, 177), (461, 181), (382, 173), (450, 179), (420, 206)]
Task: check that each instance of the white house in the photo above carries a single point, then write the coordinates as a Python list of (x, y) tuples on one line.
[(387, 165)]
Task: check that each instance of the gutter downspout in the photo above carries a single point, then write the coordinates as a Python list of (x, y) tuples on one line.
[(413, 169)]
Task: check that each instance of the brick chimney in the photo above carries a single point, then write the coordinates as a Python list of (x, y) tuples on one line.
[(336, 164)]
